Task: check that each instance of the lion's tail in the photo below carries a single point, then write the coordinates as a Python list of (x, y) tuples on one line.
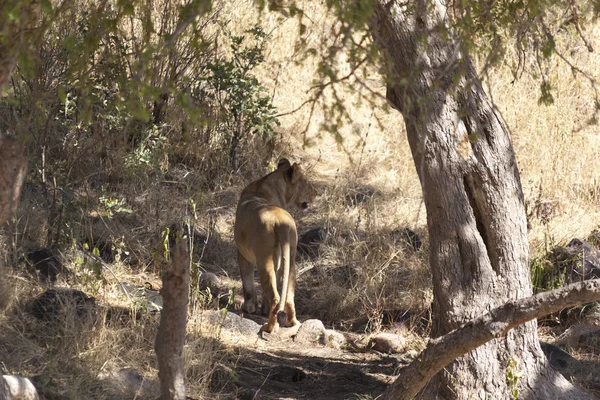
[(285, 262)]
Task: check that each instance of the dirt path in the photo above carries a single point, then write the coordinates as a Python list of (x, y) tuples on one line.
[(291, 371), (279, 367)]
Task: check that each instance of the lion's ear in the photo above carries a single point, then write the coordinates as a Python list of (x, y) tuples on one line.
[(294, 173), (283, 163)]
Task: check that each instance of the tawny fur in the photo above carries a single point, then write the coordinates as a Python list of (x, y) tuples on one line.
[(266, 236)]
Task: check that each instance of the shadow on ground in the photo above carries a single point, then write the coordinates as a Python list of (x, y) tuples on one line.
[(306, 373)]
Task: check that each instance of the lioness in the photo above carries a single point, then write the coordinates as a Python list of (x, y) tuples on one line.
[(265, 235)]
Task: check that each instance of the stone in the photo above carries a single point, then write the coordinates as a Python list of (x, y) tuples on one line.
[(20, 388), (310, 242), (559, 359), (232, 322), (576, 261), (311, 331), (127, 383), (55, 304), (388, 343), (361, 194), (407, 238), (46, 265), (335, 339)]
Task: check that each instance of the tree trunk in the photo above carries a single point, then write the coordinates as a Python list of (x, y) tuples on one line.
[(170, 337), (443, 350), (472, 193)]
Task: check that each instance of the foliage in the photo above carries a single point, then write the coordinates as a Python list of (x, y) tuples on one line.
[(104, 90), (241, 105), (528, 36), (513, 374), (112, 205)]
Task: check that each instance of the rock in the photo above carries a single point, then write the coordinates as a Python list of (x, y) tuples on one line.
[(576, 261), (106, 249), (219, 291), (232, 322), (311, 331), (55, 304), (335, 339), (127, 383), (285, 374), (582, 335), (20, 388), (144, 297), (559, 359), (208, 280), (45, 263), (407, 238), (310, 242), (360, 195), (345, 276), (388, 343), (221, 376)]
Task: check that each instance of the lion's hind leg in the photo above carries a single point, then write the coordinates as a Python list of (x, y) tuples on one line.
[(247, 273), (268, 280)]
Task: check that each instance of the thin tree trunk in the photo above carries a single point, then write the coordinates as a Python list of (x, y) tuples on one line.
[(13, 166), (472, 192), (3, 387), (170, 337)]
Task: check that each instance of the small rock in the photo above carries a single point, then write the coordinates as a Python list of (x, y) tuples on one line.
[(559, 359), (576, 261), (311, 331), (581, 335), (127, 383), (45, 263), (145, 297), (334, 339), (309, 242), (55, 304), (20, 388), (232, 322), (208, 280), (360, 195), (388, 343), (287, 374), (407, 238)]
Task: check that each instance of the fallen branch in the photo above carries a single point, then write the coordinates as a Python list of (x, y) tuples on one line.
[(494, 324)]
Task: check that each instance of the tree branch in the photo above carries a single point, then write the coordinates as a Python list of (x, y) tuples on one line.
[(445, 349)]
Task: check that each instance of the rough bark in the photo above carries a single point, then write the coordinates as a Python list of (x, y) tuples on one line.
[(4, 393), (18, 388), (170, 337), (445, 349), (473, 197)]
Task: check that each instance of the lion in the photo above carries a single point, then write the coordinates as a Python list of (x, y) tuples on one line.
[(266, 236)]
